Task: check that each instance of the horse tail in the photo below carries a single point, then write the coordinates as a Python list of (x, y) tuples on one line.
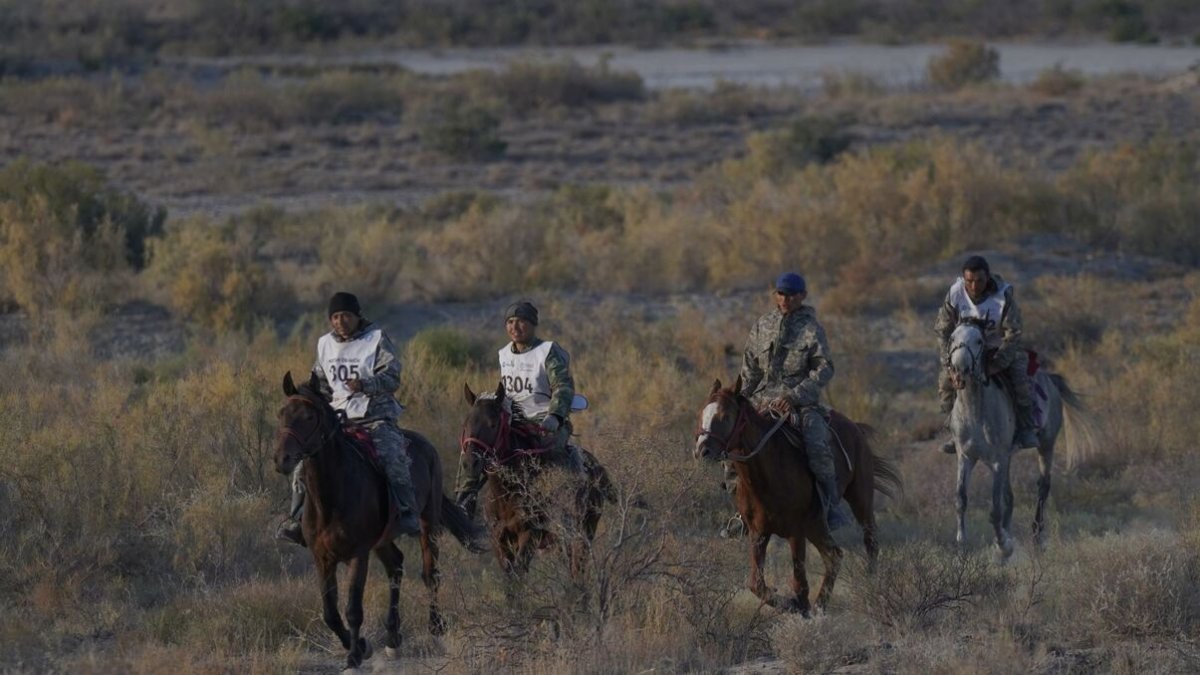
[(455, 519), (887, 477), (1080, 424)]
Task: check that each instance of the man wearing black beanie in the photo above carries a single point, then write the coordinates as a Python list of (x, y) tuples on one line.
[(359, 374)]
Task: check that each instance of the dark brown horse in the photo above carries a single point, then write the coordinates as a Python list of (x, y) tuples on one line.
[(776, 493), (347, 513), (515, 513)]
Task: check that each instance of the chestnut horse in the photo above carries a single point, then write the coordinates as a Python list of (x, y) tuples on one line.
[(776, 493), (517, 520), (347, 513)]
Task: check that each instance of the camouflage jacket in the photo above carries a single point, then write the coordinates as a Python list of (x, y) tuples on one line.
[(1010, 326), (787, 356), (380, 385), (562, 385)]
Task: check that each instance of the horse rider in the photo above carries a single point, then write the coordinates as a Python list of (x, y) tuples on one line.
[(979, 294), (785, 365), (359, 374), (537, 378)]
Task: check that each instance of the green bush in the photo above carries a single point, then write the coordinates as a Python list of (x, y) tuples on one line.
[(450, 347), (964, 62), (67, 239), (462, 131), (528, 85)]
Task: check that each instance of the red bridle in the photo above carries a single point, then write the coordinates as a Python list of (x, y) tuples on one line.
[(496, 447)]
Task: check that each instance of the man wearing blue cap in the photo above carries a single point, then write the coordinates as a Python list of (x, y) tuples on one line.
[(787, 360)]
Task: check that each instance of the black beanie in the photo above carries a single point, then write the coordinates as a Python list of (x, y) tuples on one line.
[(522, 310), (344, 302)]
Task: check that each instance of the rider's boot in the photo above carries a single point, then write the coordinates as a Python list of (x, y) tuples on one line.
[(1027, 436), (289, 529), (468, 501), (948, 447), (947, 396), (831, 504), (407, 519)]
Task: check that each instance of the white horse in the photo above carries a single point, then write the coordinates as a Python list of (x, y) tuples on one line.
[(983, 424)]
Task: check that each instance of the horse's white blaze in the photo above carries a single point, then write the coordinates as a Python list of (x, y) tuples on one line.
[(706, 419)]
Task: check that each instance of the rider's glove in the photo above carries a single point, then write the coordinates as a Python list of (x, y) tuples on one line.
[(550, 424)]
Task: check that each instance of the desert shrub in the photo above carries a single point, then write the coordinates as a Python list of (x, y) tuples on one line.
[(964, 62), (727, 102), (461, 130), (211, 274), (819, 644), (921, 584), (1126, 586), (67, 239), (450, 346), (343, 96), (1057, 81), (850, 84), (246, 101), (1138, 199), (376, 256), (527, 85)]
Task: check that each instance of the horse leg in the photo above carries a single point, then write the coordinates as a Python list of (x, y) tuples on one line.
[(862, 503), (965, 466), (1045, 464), (431, 578), (360, 648), (831, 555), (393, 562), (327, 572), (1000, 490), (758, 554), (799, 602)]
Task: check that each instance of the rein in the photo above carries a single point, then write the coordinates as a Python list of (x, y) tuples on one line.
[(498, 451)]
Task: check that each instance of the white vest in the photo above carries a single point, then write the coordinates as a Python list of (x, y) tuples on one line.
[(345, 361), (525, 378), (990, 310)]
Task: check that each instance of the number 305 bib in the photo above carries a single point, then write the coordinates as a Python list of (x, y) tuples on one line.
[(345, 361), (525, 378)]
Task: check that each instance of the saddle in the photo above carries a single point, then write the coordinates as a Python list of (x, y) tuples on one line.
[(1037, 392)]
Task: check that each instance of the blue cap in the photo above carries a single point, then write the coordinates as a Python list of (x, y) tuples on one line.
[(790, 283)]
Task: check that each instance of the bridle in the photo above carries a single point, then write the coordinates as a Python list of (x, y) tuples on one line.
[(739, 425), (496, 447), (975, 356), (305, 441)]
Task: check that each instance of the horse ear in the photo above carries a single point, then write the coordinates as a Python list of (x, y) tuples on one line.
[(716, 387), (289, 387), (737, 386), (313, 382), (500, 391), (468, 394)]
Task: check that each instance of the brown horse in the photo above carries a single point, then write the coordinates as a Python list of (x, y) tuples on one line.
[(347, 513), (776, 493), (517, 520)]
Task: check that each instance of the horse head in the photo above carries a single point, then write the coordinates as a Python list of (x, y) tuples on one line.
[(966, 352), (306, 424), (721, 422), (485, 432)]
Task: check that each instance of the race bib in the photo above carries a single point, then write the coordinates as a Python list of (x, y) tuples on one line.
[(346, 361), (525, 378)]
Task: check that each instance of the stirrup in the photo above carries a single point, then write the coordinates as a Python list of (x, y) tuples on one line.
[(949, 448), (291, 531), (735, 527)]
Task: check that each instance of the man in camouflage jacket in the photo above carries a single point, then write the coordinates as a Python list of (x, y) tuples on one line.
[(787, 359), (537, 377), (358, 373), (980, 294)]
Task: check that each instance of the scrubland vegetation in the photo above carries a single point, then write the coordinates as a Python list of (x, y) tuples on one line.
[(93, 35), (139, 494)]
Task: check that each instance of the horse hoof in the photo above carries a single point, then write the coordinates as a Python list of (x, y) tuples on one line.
[(351, 671), (391, 652), (367, 651)]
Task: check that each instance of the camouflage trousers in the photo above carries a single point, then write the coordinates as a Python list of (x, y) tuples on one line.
[(392, 446), (810, 421), (1017, 375), (561, 454)]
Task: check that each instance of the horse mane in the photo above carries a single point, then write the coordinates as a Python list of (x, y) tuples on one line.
[(510, 406)]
